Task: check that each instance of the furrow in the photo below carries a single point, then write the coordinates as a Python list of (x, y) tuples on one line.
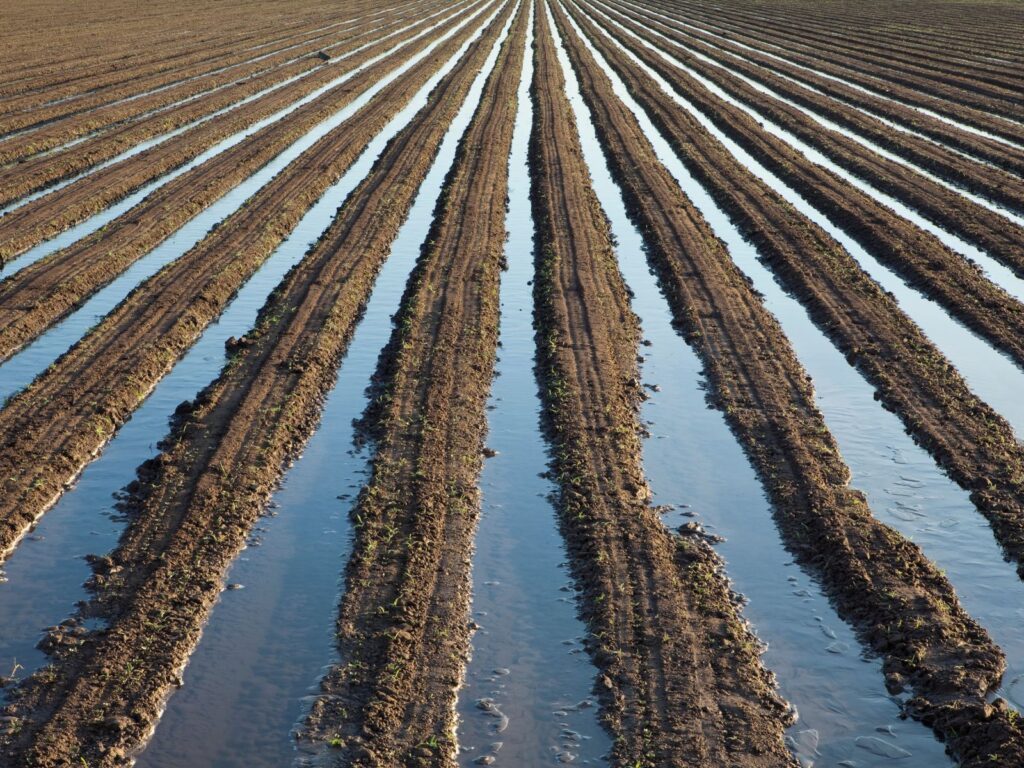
[(62, 420), (903, 608), (403, 629), (682, 680), (194, 504)]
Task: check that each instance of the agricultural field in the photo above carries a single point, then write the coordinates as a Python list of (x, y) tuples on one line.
[(444, 383)]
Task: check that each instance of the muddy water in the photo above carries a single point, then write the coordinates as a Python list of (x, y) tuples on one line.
[(28, 363), (526, 656), (904, 487), (995, 378), (265, 646), (923, 110), (45, 573), (94, 223), (694, 464)]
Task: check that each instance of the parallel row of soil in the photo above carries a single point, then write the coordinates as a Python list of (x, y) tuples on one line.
[(988, 36), (31, 174), (991, 79), (904, 609), (59, 423), (681, 682), (81, 47), (968, 439), (948, 101), (193, 506), (39, 295), (917, 256), (51, 214), (403, 626), (1000, 107), (99, 108), (1005, 188), (1007, 156)]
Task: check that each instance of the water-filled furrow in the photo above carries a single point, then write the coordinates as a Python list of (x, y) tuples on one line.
[(166, 86), (997, 272), (527, 693), (391, 22), (695, 465), (163, 137), (45, 574), (243, 709), (995, 378), (22, 368), (830, 125), (849, 83), (870, 82), (104, 217)]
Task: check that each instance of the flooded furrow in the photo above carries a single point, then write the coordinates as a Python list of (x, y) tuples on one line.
[(698, 470), (830, 125), (98, 221), (527, 696), (994, 270), (992, 375), (241, 701), (43, 579), (22, 368), (843, 81), (970, 108)]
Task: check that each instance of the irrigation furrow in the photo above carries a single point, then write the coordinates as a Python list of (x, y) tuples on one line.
[(682, 680), (1004, 188), (221, 461), (944, 69), (975, 445), (402, 630), (216, 708), (65, 120), (166, 53), (204, 162), (60, 422), (1001, 107), (77, 158), (525, 699), (944, 132), (961, 117), (915, 254), (38, 296), (698, 470), (904, 609)]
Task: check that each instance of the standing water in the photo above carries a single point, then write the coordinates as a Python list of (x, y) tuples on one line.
[(526, 700)]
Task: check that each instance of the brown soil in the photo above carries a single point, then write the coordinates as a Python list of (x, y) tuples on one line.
[(183, 198), (75, 47), (92, 109), (681, 681), (999, 154), (967, 438), (917, 256), (1004, 187), (903, 608), (62, 420), (36, 297), (36, 173), (193, 506), (985, 105), (403, 627)]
